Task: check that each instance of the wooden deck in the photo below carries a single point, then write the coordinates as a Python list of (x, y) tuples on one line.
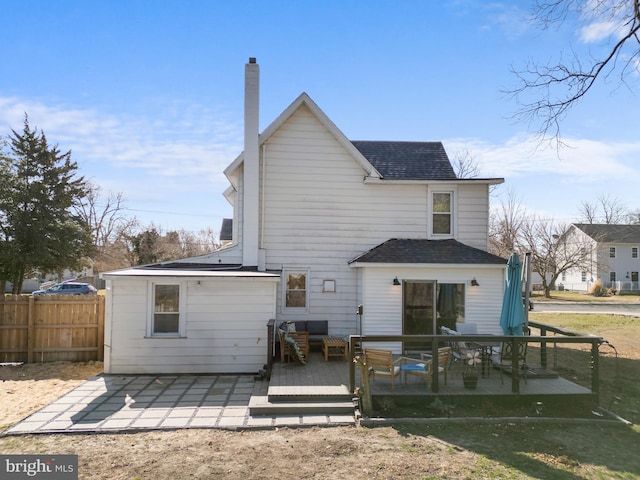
[(330, 380)]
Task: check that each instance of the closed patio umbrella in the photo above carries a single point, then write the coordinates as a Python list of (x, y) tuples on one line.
[(512, 318)]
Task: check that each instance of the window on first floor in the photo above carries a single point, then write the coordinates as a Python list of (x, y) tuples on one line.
[(612, 276), (166, 311), (583, 277), (296, 290), (634, 277)]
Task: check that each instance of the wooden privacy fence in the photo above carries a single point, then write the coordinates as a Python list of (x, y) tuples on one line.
[(51, 328)]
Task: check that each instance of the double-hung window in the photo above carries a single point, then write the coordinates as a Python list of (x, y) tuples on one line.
[(295, 290), (634, 252), (166, 318), (441, 213), (612, 252)]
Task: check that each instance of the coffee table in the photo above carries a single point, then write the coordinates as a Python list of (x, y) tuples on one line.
[(334, 347)]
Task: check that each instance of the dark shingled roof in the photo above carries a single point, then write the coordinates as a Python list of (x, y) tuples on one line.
[(403, 250), (196, 267), (611, 233), (408, 160)]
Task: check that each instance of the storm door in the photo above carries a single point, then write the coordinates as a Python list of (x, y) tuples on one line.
[(418, 312)]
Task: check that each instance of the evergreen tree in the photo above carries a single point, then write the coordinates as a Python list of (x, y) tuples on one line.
[(38, 189)]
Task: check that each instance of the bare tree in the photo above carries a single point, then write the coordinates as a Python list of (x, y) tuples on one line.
[(465, 166), (505, 223), (554, 249), (555, 88), (605, 209), (105, 215)]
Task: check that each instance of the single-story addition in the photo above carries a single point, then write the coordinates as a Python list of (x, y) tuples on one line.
[(374, 237)]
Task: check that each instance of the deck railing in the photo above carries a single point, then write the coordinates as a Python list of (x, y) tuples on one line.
[(435, 341)]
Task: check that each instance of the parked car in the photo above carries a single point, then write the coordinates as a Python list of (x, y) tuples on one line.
[(69, 288)]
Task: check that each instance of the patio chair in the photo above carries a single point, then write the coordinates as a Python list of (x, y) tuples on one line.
[(459, 349), (426, 362), (380, 363), (503, 359), (287, 350)]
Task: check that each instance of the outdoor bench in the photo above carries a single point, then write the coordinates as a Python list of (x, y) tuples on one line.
[(317, 329)]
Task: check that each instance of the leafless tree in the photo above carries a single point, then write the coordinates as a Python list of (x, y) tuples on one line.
[(546, 92), (105, 215), (505, 223), (605, 209), (465, 166), (554, 250)]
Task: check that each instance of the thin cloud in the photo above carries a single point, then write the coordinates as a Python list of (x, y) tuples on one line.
[(584, 162), (195, 142)]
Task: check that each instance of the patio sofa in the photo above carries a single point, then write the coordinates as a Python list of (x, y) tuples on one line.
[(317, 329)]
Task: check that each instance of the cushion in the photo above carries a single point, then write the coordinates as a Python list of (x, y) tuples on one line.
[(318, 327)]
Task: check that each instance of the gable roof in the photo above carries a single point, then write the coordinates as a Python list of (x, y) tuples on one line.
[(408, 160), (406, 250), (611, 233), (304, 99)]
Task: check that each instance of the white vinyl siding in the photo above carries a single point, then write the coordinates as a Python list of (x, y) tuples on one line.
[(383, 311), (225, 328)]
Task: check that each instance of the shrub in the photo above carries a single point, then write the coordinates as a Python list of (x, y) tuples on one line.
[(598, 289)]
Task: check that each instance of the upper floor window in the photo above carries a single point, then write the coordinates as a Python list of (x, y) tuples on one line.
[(612, 252), (296, 289), (442, 213), (166, 319), (634, 252)]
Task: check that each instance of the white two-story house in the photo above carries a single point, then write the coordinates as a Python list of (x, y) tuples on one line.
[(613, 257), (321, 225)]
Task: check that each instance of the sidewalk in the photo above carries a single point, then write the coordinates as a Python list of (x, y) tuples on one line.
[(119, 403)]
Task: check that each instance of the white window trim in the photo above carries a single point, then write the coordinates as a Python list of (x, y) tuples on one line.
[(181, 310), (285, 272), (453, 190)]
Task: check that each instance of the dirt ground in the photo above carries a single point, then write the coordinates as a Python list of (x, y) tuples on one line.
[(402, 451)]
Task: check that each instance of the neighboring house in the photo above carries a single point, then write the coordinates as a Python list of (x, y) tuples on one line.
[(614, 257), (321, 225), (85, 274)]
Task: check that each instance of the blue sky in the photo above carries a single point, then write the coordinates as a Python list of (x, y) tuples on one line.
[(148, 94)]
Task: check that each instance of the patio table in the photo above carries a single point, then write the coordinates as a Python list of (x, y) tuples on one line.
[(486, 351), (334, 347)]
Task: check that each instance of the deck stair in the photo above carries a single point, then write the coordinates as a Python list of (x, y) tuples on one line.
[(318, 387)]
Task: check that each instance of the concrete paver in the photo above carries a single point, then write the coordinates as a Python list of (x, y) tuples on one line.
[(116, 403)]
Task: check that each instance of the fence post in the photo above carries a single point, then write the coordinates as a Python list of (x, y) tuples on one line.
[(100, 321), (30, 328)]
